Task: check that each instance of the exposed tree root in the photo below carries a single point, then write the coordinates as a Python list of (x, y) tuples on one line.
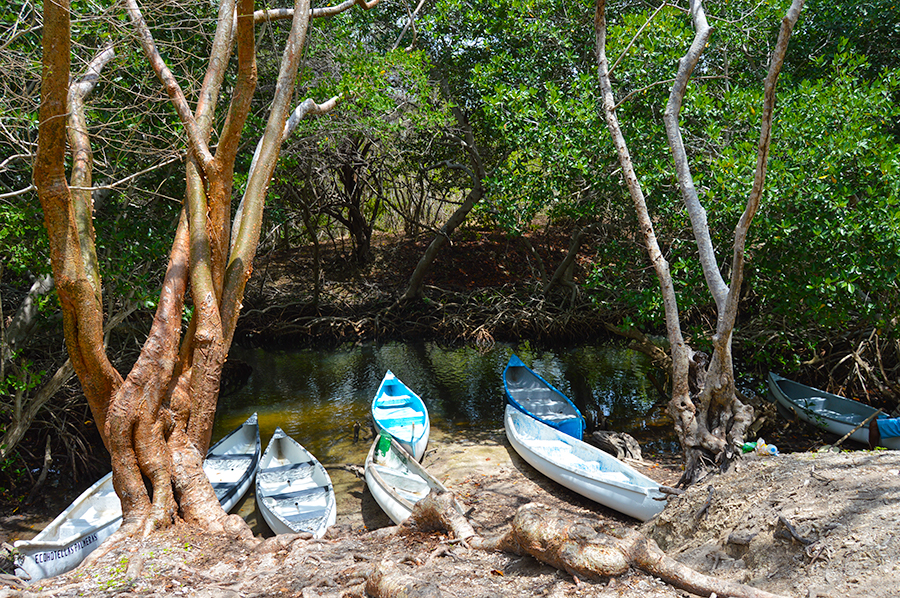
[(388, 582), (280, 542), (578, 547)]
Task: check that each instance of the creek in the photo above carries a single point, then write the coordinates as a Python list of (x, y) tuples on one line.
[(316, 395)]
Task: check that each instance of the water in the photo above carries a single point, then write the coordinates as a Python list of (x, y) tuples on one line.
[(317, 395)]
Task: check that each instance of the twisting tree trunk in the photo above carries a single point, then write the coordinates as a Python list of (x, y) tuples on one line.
[(157, 421), (709, 418)]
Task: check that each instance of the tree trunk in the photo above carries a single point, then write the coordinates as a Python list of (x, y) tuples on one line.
[(417, 280), (157, 422), (709, 418)]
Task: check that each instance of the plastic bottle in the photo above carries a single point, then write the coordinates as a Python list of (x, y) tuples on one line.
[(384, 445), (765, 449)]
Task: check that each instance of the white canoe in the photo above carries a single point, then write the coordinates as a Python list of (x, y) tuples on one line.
[(400, 412), (97, 513), (293, 490), (582, 467), (832, 413), (396, 480)]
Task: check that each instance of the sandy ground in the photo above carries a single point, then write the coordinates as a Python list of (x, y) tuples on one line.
[(817, 525)]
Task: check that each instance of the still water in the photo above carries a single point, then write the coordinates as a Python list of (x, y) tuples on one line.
[(316, 395)]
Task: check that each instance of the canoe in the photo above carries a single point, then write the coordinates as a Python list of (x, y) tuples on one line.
[(231, 463), (396, 480), (293, 490), (97, 513), (534, 396), (583, 468), (833, 413), (400, 412)]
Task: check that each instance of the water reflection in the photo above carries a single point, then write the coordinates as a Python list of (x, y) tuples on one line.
[(316, 395)]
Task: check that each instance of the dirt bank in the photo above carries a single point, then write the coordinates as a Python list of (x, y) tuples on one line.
[(805, 524)]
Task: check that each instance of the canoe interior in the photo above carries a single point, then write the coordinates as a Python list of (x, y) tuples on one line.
[(400, 472), (535, 396), (232, 463), (575, 455), (396, 480), (401, 413), (97, 506), (823, 403), (583, 468), (397, 409), (294, 488)]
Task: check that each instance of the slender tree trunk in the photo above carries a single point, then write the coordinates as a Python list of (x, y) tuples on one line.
[(709, 418), (414, 289)]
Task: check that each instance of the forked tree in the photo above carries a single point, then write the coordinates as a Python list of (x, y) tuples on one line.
[(709, 418), (157, 420)]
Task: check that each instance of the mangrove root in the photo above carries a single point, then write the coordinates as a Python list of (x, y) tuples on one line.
[(440, 511), (388, 582), (581, 548)]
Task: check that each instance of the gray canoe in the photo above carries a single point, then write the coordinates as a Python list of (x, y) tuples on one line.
[(293, 491)]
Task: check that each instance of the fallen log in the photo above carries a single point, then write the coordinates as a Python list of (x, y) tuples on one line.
[(580, 548)]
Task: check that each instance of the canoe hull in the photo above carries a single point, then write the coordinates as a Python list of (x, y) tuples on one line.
[(41, 558), (396, 480), (528, 392), (293, 491), (97, 513), (583, 468), (832, 413), (398, 411)]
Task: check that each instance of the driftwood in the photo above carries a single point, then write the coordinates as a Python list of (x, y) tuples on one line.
[(580, 548)]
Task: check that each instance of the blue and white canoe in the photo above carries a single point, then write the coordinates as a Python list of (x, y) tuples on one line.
[(583, 468), (97, 513), (400, 412), (528, 392), (293, 491)]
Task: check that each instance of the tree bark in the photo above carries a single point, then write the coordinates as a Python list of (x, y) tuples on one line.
[(82, 311)]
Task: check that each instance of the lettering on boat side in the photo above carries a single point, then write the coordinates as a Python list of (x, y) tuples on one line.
[(52, 555)]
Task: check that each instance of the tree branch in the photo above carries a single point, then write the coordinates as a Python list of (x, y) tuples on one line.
[(714, 280), (82, 165), (195, 131)]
